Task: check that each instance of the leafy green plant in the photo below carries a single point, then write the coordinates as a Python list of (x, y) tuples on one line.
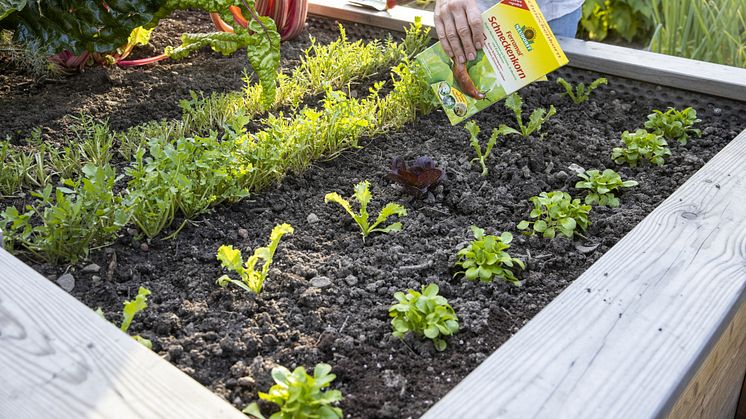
[(602, 185), (65, 222), (300, 395), (556, 212), (628, 19), (641, 146), (473, 130), (514, 102), (363, 196), (674, 124), (487, 257), (686, 28), (581, 93), (251, 279), (424, 314), (131, 308)]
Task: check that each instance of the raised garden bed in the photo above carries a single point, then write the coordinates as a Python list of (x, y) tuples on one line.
[(328, 296)]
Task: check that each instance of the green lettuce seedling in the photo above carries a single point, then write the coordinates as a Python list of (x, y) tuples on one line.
[(300, 396), (538, 117), (486, 257), (473, 130), (581, 93), (251, 279), (131, 308), (640, 146), (673, 124), (424, 314), (363, 196), (556, 212), (601, 187)]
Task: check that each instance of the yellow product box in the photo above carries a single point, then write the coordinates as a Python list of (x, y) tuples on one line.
[(518, 48)]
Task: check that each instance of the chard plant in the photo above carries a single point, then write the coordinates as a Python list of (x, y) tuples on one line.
[(674, 124), (252, 280), (486, 257), (482, 156), (130, 310), (556, 213), (641, 146), (426, 314), (602, 185), (580, 93), (363, 196), (64, 223), (300, 395), (514, 102)]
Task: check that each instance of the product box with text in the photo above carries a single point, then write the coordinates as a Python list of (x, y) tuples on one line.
[(518, 49)]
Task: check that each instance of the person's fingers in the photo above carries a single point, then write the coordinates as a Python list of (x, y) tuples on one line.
[(464, 33), (441, 31), (453, 38), (475, 23)]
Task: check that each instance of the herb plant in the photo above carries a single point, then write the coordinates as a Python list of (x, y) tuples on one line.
[(601, 187), (482, 156), (424, 314), (487, 257), (641, 146), (556, 212), (251, 279), (514, 102), (581, 93), (300, 395), (131, 308), (673, 124), (363, 196)]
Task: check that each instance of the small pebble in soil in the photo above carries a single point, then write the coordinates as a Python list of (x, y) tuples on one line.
[(66, 282), (351, 280), (92, 268), (243, 233), (144, 247), (312, 218), (321, 282)]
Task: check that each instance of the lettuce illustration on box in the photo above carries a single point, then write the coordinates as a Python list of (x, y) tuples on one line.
[(519, 48)]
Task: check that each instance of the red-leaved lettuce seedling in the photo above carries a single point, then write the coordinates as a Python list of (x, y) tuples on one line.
[(539, 116), (363, 196), (131, 308), (673, 124), (581, 93), (640, 146), (487, 257), (300, 395), (424, 314), (556, 212), (602, 185), (417, 176), (252, 280)]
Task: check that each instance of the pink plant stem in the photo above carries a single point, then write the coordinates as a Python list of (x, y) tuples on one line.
[(142, 61)]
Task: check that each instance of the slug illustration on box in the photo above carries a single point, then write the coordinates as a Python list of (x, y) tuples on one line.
[(519, 48)]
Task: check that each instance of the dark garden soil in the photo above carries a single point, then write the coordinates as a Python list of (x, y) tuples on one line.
[(329, 292)]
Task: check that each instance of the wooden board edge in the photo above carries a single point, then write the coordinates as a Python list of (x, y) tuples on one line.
[(681, 73)]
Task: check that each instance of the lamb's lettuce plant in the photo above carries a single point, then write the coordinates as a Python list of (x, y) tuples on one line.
[(674, 124), (640, 146), (602, 185), (424, 314), (363, 196), (252, 280), (486, 257), (556, 212)]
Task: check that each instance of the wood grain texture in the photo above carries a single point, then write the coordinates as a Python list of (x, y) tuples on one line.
[(665, 70), (714, 391), (741, 411), (58, 359), (626, 338)]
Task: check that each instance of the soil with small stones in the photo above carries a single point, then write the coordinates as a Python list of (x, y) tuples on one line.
[(328, 293)]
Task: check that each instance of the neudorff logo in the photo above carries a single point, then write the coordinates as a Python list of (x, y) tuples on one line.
[(527, 35)]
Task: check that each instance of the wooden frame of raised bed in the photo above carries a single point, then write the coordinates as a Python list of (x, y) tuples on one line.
[(656, 327)]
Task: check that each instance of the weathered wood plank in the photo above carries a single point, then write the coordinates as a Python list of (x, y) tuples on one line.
[(666, 70), (59, 359), (741, 412), (625, 339)]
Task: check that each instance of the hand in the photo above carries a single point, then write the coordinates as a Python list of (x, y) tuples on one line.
[(459, 27)]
